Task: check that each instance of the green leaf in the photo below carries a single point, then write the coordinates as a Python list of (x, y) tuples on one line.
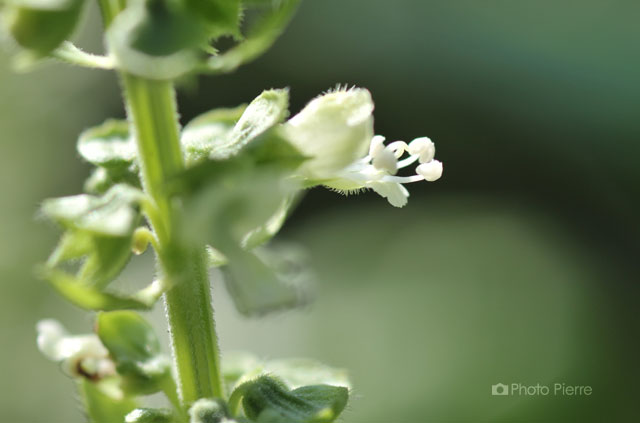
[(104, 401), (268, 279), (259, 39), (114, 214), (42, 25), (156, 39), (221, 16), (102, 179), (150, 415), (206, 410), (263, 113), (298, 372), (91, 298), (270, 228), (207, 130), (108, 145), (268, 400), (135, 349)]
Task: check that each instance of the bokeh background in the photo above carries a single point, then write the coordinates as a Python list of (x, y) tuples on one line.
[(518, 266)]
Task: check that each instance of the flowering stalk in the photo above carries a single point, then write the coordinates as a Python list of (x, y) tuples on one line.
[(213, 194)]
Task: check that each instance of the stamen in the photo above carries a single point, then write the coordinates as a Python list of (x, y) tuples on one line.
[(430, 171)]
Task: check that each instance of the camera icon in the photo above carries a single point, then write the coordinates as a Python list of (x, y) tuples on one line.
[(499, 389)]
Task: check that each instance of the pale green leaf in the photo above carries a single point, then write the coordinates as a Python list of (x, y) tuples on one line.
[(108, 145)]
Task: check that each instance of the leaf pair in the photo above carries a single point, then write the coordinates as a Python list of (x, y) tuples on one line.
[(95, 248), (237, 195), (162, 39)]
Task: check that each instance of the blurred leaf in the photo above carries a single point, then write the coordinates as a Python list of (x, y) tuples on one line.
[(297, 372), (207, 130), (156, 39), (135, 349), (42, 25), (206, 410), (259, 39), (267, 400), (263, 113), (108, 145), (104, 402), (270, 228), (113, 214), (222, 16), (258, 286), (91, 298), (150, 415), (102, 179)]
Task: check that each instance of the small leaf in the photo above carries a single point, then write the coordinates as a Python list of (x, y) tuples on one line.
[(102, 179), (104, 401), (268, 400), (206, 410), (113, 214), (108, 145), (42, 25), (259, 39), (207, 130), (135, 349), (264, 112), (149, 415), (92, 298)]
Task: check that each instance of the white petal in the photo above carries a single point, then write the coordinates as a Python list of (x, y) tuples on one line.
[(396, 194), (50, 334), (334, 129), (430, 171), (386, 160)]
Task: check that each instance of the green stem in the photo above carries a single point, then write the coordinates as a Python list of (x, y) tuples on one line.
[(152, 111)]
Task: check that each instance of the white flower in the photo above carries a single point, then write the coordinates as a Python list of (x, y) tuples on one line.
[(80, 355), (333, 130), (378, 169)]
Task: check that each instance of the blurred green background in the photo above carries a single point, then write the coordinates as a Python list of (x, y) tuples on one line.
[(518, 266)]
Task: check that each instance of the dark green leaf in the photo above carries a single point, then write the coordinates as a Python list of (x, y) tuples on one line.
[(259, 39), (40, 26), (267, 400), (221, 16)]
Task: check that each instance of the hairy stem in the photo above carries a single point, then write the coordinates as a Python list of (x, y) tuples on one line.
[(152, 111), (151, 108)]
